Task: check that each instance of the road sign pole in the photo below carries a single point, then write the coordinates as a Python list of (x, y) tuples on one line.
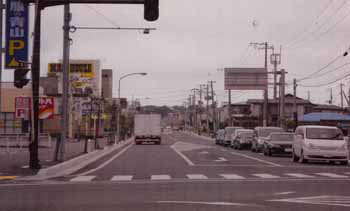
[(2, 7)]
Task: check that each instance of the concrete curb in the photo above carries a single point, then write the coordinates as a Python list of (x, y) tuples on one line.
[(75, 164)]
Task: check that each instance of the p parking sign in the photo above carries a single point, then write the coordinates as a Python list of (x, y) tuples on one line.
[(16, 33)]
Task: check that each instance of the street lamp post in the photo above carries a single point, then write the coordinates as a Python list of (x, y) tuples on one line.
[(119, 105)]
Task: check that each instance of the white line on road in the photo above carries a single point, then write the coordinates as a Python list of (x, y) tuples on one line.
[(196, 176), (205, 203), (284, 193), (299, 175), (160, 177), (257, 159), (82, 179), (266, 176), (122, 178), (221, 159), (204, 152), (332, 175), (107, 162), (188, 161), (231, 176)]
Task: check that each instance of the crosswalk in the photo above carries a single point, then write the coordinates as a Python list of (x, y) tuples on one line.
[(228, 176)]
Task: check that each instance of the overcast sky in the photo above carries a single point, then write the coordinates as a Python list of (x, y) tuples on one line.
[(195, 39)]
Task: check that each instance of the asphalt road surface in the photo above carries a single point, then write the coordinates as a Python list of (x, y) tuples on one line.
[(186, 172)]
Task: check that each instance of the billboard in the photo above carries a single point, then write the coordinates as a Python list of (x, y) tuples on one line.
[(83, 76), (16, 33), (46, 107), (245, 79)]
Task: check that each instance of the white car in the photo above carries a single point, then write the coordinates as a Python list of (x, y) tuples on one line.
[(320, 143), (228, 132), (234, 137)]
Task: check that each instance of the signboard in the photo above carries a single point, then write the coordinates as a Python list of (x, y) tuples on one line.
[(46, 107), (245, 79), (16, 33), (22, 107), (82, 76)]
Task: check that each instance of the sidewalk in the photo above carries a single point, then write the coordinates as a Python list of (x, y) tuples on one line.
[(14, 161), (200, 136)]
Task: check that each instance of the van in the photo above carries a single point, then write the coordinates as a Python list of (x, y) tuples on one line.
[(260, 134), (228, 133), (315, 142)]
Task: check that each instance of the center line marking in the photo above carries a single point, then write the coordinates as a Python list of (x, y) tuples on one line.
[(257, 159)]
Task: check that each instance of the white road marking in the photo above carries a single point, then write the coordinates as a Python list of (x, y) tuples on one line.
[(122, 178), (299, 175), (25, 167), (188, 161), (107, 162), (257, 159), (196, 176), (231, 176), (285, 193), (266, 176), (332, 175), (160, 177), (319, 200), (82, 179), (204, 152), (205, 203), (221, 159)]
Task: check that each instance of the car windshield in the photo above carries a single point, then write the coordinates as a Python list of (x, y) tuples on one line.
[(282, 137), (246, 134), (266, 131), (324, 133), (230, 130)]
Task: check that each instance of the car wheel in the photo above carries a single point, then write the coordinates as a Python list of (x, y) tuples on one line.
[(302, 159), (294, 157)]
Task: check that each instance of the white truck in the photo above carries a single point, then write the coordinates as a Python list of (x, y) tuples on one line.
[(147, 128)]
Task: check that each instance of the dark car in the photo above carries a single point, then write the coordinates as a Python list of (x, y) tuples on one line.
[(278, 143), (260, 134)]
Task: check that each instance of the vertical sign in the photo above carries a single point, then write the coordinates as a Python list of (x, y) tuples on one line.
[(22, 107), (46, 107), (16, 33)]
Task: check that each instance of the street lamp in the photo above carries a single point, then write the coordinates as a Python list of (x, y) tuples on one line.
[(119, 108)]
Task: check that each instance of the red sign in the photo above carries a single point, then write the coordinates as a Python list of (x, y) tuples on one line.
[(46, 108), (22, 107)]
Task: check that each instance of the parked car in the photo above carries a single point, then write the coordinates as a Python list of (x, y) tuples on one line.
[(278, 143), (260, 134), (243, 139), (315, 142), (220, 136), (228, 133)]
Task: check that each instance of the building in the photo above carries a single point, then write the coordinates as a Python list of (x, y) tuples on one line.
[(327, 108), (8, 121), (107, 83)]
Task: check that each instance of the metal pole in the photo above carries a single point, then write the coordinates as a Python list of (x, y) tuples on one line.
[(265, 92), (282, 90), (274, 75), (229, 108), (2, 7), (295, 111), (34, 162), (118, 112), (65, 82)]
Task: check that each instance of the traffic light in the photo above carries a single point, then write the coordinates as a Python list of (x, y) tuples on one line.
[(20, 79), (151, 10)]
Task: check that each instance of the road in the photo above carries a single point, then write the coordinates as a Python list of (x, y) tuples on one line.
[(186, 172)]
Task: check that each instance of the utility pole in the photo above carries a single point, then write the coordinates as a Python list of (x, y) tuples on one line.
[(213, 105), (282, 95), (229, 107), (65, 81), (308, 95), (207, 87), (201, 87), (34, 162), (266, 98), (2, 8), (341, 96), (275, 60), (295, 102), (331, 97), (195, 109)]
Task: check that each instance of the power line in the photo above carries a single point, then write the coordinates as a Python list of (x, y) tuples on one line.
[(320, 26), (326, 84), (103, 16), (305, 30), (330, 71)]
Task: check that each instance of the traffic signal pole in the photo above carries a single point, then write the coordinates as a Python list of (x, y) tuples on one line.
[(34, 142)]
